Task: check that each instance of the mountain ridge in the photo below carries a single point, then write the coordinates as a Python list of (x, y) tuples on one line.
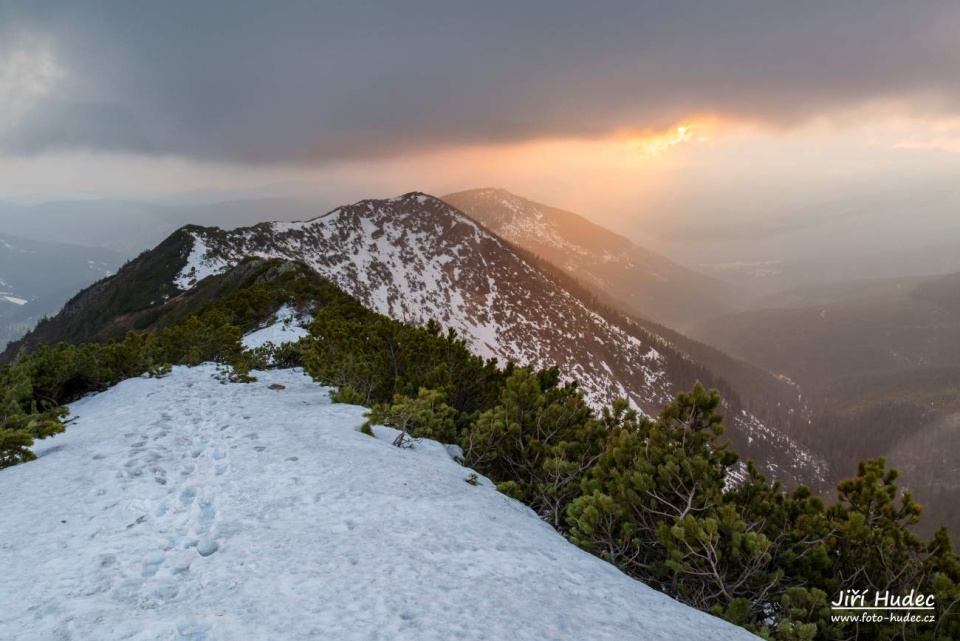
[(414, 258), (647, 283)]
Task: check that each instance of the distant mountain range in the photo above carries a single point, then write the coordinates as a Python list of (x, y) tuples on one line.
[(128, 227), (889, 233), (416, 257)]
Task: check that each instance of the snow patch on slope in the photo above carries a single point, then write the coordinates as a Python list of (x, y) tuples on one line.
[(523, 222), (183, 508), (285, 327), (200, 264)]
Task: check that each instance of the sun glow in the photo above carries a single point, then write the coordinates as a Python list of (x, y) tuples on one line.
[(657, 143)]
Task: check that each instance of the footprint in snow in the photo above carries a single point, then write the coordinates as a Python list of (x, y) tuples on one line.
[(151, 564), (193, 631), (166, 592), (181, 567), (207, 546), (187, 496), (207, 515)]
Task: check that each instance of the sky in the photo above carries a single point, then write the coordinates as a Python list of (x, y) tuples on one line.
[(652, 118)]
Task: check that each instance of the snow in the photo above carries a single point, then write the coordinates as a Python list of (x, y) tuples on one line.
[(285, 328), (183, 508), (200, 264)]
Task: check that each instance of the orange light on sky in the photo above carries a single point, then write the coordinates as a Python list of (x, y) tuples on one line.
[(693, 130), (626, 180), (658, 144)]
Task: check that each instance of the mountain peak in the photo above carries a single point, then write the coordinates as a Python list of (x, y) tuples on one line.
[(648, 284), (498, 192), (410, 203), (513, 206)]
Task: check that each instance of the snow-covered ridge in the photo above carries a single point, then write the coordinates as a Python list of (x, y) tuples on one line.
[(526, 224), (183, 508), (415, 257)]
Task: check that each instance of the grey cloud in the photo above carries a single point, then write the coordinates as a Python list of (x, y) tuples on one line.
[(56, 125), (296, 82)]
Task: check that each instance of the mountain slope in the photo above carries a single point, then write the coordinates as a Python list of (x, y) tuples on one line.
[(414, 258), (184, 508), (650, 285)]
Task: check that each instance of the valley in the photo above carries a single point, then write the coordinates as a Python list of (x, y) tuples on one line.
[(878, 361)]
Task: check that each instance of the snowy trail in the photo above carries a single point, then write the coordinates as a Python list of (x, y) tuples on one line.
[(182, 508)]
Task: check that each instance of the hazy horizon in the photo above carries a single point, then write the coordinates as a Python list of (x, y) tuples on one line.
[(653, 121)]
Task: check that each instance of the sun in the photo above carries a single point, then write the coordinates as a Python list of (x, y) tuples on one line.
[(656, 144)]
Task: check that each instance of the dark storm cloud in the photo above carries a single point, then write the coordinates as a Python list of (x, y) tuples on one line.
[(310, 81)]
